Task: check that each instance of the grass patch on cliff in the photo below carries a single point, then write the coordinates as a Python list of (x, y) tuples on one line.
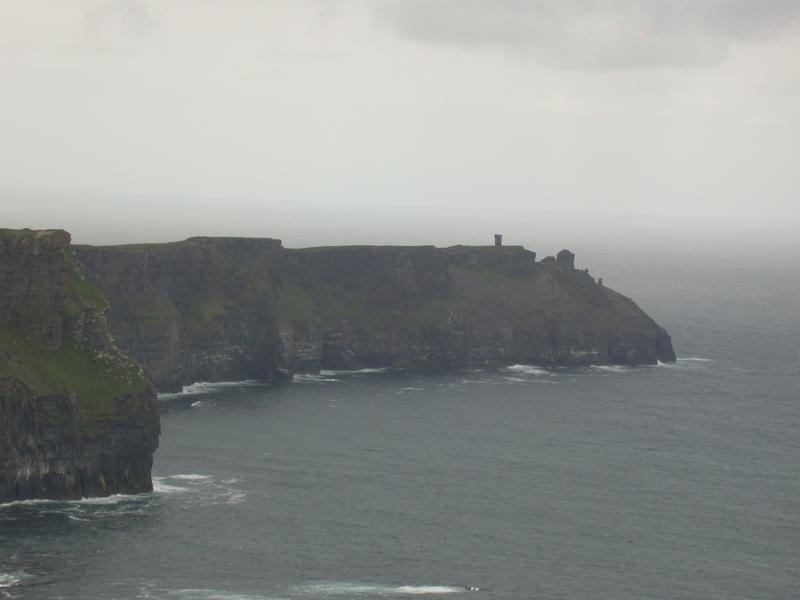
[(433, 313), (493, 277), (293, 303), (81, 295), (153, 310), (96, 377)]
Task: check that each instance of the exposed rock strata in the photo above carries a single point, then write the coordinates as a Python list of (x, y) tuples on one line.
[(77, 416), (232, 308)]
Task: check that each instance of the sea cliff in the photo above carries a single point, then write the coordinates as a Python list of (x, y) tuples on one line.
[(209, 309), (78, 417)]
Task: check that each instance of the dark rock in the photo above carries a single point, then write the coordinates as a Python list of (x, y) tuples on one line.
[(566, 259)]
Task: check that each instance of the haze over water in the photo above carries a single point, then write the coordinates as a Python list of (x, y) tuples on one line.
[(676, 481)]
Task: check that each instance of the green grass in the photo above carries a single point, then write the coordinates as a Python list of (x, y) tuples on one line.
[(293, 303), (203, 311), (81, 295), (94, 377), (153, 310), (492, 277), (434, 313)]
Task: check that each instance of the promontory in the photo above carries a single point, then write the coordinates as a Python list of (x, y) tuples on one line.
[(211, 309)]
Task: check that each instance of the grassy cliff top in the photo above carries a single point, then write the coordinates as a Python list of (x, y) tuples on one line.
[(53, 336)]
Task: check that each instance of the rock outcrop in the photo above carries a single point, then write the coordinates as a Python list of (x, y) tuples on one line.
[(77, 416), (234, 308)]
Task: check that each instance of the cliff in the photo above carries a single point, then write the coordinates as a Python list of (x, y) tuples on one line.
[(77, 416), (235, 308)]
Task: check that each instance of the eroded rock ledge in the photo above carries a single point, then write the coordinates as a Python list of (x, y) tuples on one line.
[(209, 309), (77, 416)]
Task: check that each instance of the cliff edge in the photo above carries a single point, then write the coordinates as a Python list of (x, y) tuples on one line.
[(77, 416), (209, 309)]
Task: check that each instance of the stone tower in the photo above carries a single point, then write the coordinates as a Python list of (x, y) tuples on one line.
[(498, 239)]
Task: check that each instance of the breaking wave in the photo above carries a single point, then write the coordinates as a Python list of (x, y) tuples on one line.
[(312, 378), (14, 578), (101, 501), (339, 588), (207, 594), (208, 387), (610, 368), (331, 372), (192, 477), (201, 489), (329, 375), (527, 370)]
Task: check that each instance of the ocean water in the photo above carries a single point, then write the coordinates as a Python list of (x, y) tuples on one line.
[(669, 482)]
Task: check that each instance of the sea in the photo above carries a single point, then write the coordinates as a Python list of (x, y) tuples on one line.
[(675, 481)]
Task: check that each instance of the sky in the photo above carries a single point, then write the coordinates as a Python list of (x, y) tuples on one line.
[(555, 122)]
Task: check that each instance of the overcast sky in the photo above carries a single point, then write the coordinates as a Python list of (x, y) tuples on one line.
[(408, 121)]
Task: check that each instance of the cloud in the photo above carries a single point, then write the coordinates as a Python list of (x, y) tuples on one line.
[(107, 23), (586, 34)]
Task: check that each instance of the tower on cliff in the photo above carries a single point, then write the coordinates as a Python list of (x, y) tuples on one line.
[(498, 239)]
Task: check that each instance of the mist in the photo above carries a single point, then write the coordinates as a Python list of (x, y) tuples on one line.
[(671, 130)]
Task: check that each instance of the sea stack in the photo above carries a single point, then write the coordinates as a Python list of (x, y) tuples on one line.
[(78, 417)]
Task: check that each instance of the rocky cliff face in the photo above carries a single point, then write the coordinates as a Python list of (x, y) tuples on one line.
[(77, 416), (230, 308)]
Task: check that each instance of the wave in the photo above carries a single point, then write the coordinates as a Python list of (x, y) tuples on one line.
[(102, 500), (694, 359), (211, 594), (202, 489), (208, 387), (610, 368), (14, 578), (312, 378), (340, 588), (527, 369), (159, 487), (333, 373)]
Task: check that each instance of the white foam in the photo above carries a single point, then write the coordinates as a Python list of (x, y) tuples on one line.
[(31, 502), (112, 499), (8, 580), (610, 368), (159, 487), (313, 378), (333, 373), (427, 589), (236, 497), (208, 387), (527, 370), (190, 477), (694, 359), (211, 594), (340, 588), (201, 489)]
